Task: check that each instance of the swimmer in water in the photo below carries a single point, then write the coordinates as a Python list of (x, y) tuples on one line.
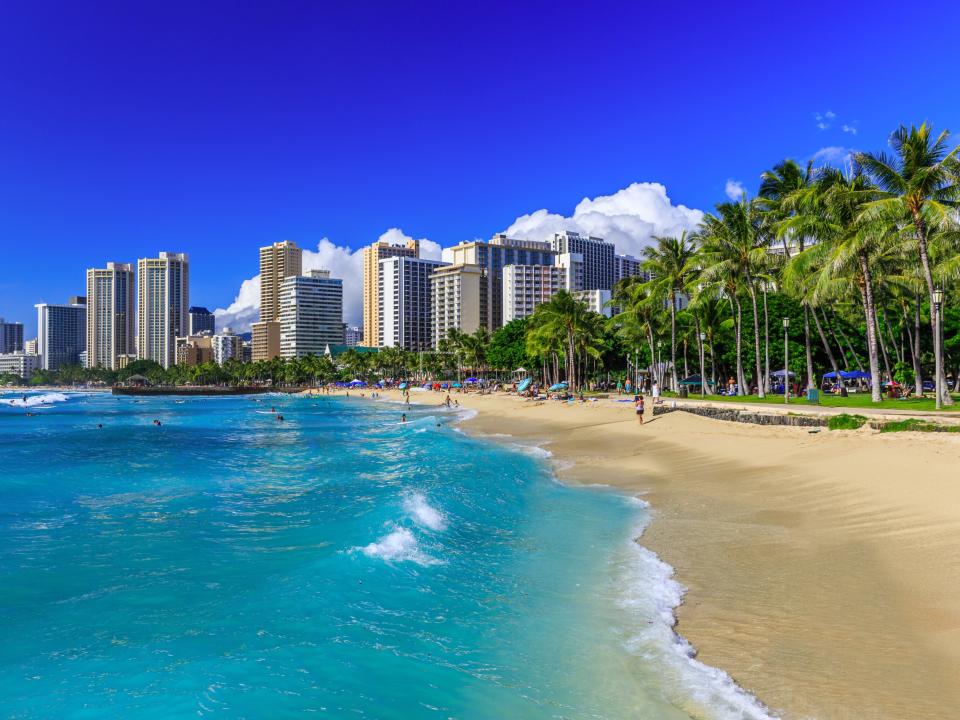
[(403, 418)]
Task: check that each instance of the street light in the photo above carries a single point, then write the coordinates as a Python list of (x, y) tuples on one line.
[(938, 304), (786, 360), (703, 380)]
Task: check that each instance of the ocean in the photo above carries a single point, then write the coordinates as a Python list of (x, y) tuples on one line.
[(338, 563)]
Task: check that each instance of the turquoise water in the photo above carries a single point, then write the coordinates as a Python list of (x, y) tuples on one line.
[(336, 564)]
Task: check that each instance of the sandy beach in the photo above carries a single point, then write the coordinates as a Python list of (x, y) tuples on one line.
[(823, 569)]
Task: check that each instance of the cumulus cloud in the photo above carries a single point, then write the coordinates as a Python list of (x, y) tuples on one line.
[(628, 218), (852, 129), (341, 261), (734, 189)]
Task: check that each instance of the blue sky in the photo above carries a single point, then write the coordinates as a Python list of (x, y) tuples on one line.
[(213, 128)]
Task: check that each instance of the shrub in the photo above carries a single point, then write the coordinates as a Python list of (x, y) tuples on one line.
[(845, 421)]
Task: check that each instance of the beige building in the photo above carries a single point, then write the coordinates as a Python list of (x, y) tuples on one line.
[(277, 262), (458, 295), (111, 315), (527, 286), (163, 303), (372, 255), (496, 254), (194, 349)]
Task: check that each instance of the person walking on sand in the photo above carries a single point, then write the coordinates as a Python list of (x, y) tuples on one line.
[(638, 404), (655, 391)]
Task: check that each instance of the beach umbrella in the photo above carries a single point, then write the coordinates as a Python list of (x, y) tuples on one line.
[(558, 386), (524, 384), (471, 380), (403, 386), (692, 380), (779, 373), (456, 385)]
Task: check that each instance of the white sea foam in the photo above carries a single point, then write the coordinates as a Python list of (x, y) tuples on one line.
[(34, 400), (651, 596), (423, 513), (399, 545)]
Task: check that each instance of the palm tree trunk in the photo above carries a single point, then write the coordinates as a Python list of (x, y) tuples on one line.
[(826, 345), (853, 353), (673, 342), (915, 348), (883, 345), (766, 344), (756, 340), (738, 323), (921, 232), (808, 348), (898, 351), (653, 357), (871, 320)]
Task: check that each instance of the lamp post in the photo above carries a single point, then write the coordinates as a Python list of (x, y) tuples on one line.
[(937, 305), (660, 364), (703, 379), (786, 360)]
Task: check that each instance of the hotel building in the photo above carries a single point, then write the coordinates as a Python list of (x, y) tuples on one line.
[(110, 316), (495, 255), (11, 337), (526, 286), (61, 333), (226, 345), (163, 302), (459, 296), (404, 302), (311, 314), (372, 255), (596, 301), (19, 363), (599, 264), (277, 263), (201, 320)]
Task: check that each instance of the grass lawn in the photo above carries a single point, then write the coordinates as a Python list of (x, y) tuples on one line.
[(856, 400)]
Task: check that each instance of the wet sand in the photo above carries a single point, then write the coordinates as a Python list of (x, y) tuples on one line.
[(823, 569)]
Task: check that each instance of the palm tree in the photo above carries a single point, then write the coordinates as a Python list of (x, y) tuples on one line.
[(668, 262), (781, 189), (920, 190), (734, 255), (565, 321)]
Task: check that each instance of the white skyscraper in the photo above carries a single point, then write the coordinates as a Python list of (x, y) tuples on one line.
[(111, 315), (404, 302), (163, 302), (599, 264), (526, 286), (311, 314)]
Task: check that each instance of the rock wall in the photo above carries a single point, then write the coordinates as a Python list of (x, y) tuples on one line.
[(744, 416)]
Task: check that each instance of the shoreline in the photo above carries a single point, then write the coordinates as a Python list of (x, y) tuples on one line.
[(822, 572)]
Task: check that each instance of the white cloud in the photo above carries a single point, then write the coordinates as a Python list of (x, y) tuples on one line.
[(341, 261), (734, 189), (833, 155), (628, 218), (849, 129), (824, 120)]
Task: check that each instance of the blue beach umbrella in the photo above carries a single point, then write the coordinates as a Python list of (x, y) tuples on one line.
[(558, 386), (403, 386), (524, 384)]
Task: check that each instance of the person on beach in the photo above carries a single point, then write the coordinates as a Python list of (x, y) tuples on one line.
[(655, 391), (638, 404)]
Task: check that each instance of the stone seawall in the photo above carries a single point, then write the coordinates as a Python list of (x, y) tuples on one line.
[(744, 416)]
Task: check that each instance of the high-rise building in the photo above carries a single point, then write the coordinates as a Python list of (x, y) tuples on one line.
[(226, 345), (526, 286), (596, 301), (30, 347), (201, 320), (194, 349), (19, 363), (11, 336), (353, 336), (404, 301), (61, 333), (163, 302), (495, 255), (627, 266), (277, 262), (458, 294), (311, 314), (599, 265), (111, 315), (372, 255)]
